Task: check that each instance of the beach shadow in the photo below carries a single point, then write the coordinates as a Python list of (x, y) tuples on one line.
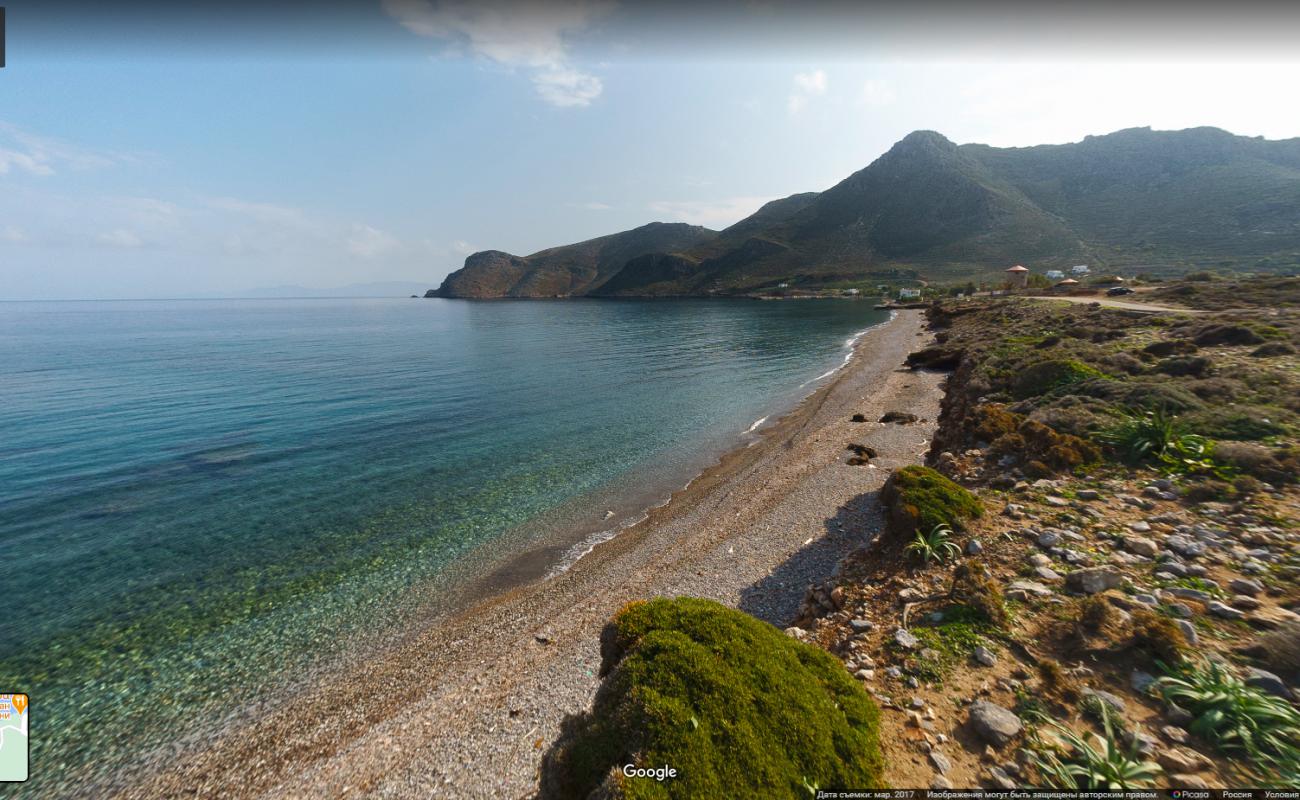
[(776, 598)]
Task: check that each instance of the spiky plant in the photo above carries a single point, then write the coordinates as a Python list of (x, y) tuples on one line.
[(1097, 762), (937, 545)]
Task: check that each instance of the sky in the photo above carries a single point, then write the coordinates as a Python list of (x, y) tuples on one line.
[(173, 150)]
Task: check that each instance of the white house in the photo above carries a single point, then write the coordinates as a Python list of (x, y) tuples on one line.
[(1054, 274), (908, 294), (1081, 269)]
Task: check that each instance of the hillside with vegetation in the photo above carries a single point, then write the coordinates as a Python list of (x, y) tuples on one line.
[(1159, 202), (1090, 584)]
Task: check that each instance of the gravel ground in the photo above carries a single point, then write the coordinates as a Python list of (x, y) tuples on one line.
[(468, 707)]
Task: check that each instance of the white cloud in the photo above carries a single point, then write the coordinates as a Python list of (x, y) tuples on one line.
[(12, 234), (811, 82), (806, 85), (40, 155), (463, 247), (592, 206), (120, 237), (566, 87), (514, 34), (367, 242), (712, 214), (877, 92), (268, 213)]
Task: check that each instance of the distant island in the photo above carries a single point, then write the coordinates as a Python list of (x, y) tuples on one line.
[(1163, 202)]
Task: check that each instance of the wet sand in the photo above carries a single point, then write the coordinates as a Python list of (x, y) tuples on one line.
[(467, 707)]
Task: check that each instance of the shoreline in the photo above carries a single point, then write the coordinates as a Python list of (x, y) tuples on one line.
[(467, 707)]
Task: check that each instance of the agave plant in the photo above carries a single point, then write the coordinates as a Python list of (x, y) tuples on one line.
[(1157, 436), (1097, 762), (1237, 718), (937, 545)]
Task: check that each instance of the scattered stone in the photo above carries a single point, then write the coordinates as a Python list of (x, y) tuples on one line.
[(894, 672), (1142, 546), (1180, 610), (1246, 586), (1176, 759), (1174, 733), (940, 761), (974, 548), (1141, 526), (1141, 681), (900, 417), (985, 656), (1266, 681), (1245, 602), (940, 783), (1048, 539), (1001, 780), (1187, 781), (995, 724), (1039, 560), (1057, 502), (1223, 610), (1029, 587), (861, 625), (866, 674), (1178, 715), (1273, 617), (1093, 579), (1047, 574), (1189, 631), (1098, 696), (1183, 546), (1088, 494), (543, 638)]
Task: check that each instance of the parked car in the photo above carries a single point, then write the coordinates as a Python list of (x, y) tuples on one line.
[(1118, 291)]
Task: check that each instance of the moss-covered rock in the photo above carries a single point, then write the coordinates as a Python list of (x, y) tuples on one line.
[(919, 498), (734, 706), (1044, 376)]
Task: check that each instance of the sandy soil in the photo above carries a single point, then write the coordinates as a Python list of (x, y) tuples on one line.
[(468, 707)]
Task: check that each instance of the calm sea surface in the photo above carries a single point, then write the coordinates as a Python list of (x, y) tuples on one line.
[(200, 497)]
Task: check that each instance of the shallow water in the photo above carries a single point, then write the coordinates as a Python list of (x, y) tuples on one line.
[(200, 497)]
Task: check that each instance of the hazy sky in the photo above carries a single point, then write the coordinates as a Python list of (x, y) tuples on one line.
[(153, 151)]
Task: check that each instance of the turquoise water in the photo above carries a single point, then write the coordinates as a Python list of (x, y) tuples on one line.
[(200, 496)]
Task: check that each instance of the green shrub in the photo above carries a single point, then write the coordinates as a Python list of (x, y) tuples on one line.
[(736, 707), (1240, 423), (1273, 349), (1043, 377), (1149, 394), (1178, 366), (919, 498), (1237, 718)]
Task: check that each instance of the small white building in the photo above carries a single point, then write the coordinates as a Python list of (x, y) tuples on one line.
[(1054, 274), (909, 294), (851, 291), (1080, 269)]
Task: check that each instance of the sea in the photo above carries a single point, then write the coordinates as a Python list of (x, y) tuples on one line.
[(202, 500)]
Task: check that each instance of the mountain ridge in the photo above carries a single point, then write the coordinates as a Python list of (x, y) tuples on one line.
[(1168, 201)]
